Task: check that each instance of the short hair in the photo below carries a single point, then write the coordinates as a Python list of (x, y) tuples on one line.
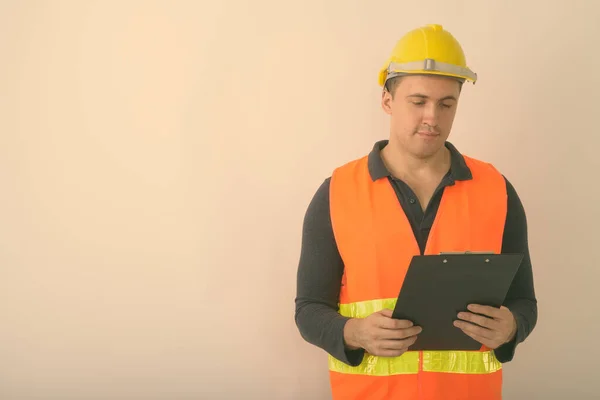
[(392, 83)]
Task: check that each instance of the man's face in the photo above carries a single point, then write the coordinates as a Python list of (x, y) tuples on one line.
[(422, 111)]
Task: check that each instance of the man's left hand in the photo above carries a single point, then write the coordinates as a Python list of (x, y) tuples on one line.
[(495, 327)]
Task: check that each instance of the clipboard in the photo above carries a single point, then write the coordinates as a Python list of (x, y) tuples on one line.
[(437, 287)]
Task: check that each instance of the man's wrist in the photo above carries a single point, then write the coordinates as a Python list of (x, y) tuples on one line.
[(350, 329), (513, 333)]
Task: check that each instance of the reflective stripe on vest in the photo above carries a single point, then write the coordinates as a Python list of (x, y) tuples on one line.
[(460, 362), (376, 243)]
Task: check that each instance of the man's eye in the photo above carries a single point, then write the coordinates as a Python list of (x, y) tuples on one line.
[(446, 105), (418, 103)]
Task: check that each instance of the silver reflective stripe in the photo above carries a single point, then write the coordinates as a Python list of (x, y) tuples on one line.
[(434, 66)]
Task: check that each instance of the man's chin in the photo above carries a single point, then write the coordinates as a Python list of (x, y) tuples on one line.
[(428, 148)]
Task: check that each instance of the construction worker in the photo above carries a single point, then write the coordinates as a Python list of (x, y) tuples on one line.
[(413, 194)]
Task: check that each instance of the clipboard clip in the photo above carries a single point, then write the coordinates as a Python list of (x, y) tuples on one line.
[(447, 253)]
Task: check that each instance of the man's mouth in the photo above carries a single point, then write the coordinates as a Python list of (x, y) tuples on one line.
[(427, 133)]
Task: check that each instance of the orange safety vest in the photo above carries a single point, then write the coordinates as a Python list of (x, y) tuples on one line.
[(376, 243)]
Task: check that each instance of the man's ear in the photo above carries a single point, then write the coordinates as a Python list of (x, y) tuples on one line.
[(386, 101)]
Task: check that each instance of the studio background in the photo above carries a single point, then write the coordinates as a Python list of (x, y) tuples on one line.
[(157, 158)]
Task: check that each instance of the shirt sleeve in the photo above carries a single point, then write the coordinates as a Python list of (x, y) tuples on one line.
[(319, 276), (520, 299)]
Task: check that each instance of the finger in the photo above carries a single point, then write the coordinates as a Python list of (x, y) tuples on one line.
[(398, 344), (491, 312), (480, 320), (402, 324), (468, 327), (484, 341), (390, 323), (386, 312), (399, 334)]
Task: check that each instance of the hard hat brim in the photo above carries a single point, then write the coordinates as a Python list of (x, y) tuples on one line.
[(426, 67)]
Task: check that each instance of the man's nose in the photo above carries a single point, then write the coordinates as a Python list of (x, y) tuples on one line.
[(430, 114)]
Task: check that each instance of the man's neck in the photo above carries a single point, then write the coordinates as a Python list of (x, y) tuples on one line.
[(404, 165)]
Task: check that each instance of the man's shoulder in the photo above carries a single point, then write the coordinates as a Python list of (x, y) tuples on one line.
[(352, 164), (476, 160), (481, 167), (322, 193)]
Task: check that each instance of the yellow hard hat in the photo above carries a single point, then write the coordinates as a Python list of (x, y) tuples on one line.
[(427, 50)]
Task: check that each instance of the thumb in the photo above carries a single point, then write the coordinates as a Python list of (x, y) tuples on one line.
[(506, 311)]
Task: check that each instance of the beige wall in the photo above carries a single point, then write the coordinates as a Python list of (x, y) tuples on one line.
[(157, 157)]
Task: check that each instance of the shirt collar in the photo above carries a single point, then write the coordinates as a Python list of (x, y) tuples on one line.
[(459, 171)]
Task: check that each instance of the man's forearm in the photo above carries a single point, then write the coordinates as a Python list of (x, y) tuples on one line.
[(323, 327), (525, 313)]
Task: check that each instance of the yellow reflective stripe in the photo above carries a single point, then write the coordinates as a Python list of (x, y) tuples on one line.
[(362, 309), (458, 362), (407, 363), (461, 362), (454, 362)]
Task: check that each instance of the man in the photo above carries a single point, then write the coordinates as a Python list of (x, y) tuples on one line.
[(413, 194)]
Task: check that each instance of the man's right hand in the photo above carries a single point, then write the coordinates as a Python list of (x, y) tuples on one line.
[(381, 335)]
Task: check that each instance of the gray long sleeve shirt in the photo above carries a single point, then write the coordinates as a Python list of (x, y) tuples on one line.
[(321, 267)]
